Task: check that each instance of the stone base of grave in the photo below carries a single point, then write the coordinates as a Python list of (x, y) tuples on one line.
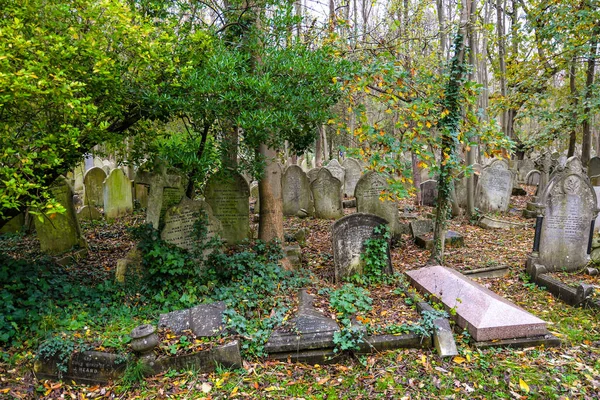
[(72, 257), (349, 203), (294, 255), (548, 340), (487, 222), (582, 295), (226, 356), (489, 272), (453, 239), (530, 210)]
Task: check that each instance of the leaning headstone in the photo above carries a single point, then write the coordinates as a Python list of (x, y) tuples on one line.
[(533, 178), (353, 173), (92, 182), (594, 167), (336, 170), (312, 174), (88, 213), (228, 195), (494, 187), (14, 225), (296, 191), (118, 199), (78, 174), (327, 195), (371, 199), (429, 193), (181, 219), (524, 167), (166, 189), (60, 232), (420, 227), (349, 235), (205, 320), (482, 312), (569, 206)]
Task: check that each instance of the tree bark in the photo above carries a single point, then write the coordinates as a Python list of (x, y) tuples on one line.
[(586, 146), (470, 156), (416, 177), (270, 225), (573, 90)]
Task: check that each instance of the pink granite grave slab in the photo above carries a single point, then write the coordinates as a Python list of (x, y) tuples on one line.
[(482, 312)]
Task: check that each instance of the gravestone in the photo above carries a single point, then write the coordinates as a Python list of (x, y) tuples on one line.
[(420, 227), (78, 174), (14, 225), (88, 213), (569, 205), (296, 191), (494, 187), (228, 195), (482, 312), (205, 320), (524, 167), (349, 235), (597, 224), (60, 232), (429, 193), (460, 188), (544, 165), (118, 199), (141, 195), (369, 191), (353, 173), (93, 191), (336, 170), (312, 174), (181, 218), (533, 178), (254, 195), (327, 195), (166, 189), (594, 167)]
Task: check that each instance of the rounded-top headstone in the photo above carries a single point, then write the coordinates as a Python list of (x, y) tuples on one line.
[(118, 197), (296, 191), (353, 173), (93, 191), (494, 187), (336, 170), (180, 222), (371, 199), (327, 195), (312, 174), (594, 167), (570, 204)]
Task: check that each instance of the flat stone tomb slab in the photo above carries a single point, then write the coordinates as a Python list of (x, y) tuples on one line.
[(482, 312)]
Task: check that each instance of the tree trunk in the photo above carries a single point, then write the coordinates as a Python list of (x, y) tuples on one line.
[(450, 125), (270, 225), (470, 156), (573, 89), (319, 148), (586, 146), (442, 28), (502, 59), (416, 177)]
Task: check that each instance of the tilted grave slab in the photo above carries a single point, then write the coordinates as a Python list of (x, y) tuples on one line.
[(486, 315)]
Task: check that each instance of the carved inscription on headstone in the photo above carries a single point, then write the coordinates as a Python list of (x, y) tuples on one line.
[(228, 195), (180, 221), (370, 198), (327, 195), (494, 187)]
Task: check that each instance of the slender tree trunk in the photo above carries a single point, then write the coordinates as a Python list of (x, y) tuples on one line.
[(470, 156), (573, 89), (442, 28), (416, 177), (450, 129), (325, 145), (502, 59), (586, 146), (270, 225), (319, 148)]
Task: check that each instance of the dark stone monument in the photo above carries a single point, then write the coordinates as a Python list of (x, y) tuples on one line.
[(429, 193)]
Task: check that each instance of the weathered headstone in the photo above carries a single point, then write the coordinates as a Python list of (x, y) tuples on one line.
[(205, 320), (296, 191), (420, 227), (353, 173), (141, 195), (429, 193), (594, 167), (60, 232), (349, 235), (14, 225), (118, 199), (533, 178), (327, 195), (78, 174), (569, 206), (337, 171), (369, 200), (482, 312), (181, 218), (92, 182), (494, 187), (228, 195), (166, 190), (312, 174), (88, 213), (524, 167)]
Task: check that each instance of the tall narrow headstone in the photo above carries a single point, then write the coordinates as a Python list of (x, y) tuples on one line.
[(228, 195), (60, 232), (118, 199), (349, 235), (327, 195), (181, 219), (429, 193), (296, 191), (371, 199), (570, 205), (594, 167), (165, 190), (336, 170), (353, 174), (92, 182), (494, 187)]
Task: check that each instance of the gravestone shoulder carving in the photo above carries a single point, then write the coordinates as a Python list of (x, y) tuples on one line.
[(296, 191), (93, 191), (327, 194)]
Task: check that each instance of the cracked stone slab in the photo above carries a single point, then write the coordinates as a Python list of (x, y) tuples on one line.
[(205, 320)]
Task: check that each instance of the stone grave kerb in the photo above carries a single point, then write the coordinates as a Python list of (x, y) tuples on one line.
[(157, 181)]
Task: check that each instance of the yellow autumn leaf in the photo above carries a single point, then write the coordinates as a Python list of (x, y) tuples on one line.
[(234, 391), (459, 359), (523, 385), (428, 124), (334, 79)]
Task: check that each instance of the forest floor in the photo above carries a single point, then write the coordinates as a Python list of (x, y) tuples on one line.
[(571, 371)]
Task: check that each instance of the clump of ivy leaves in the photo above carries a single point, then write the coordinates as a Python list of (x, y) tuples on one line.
[(248, 278)]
